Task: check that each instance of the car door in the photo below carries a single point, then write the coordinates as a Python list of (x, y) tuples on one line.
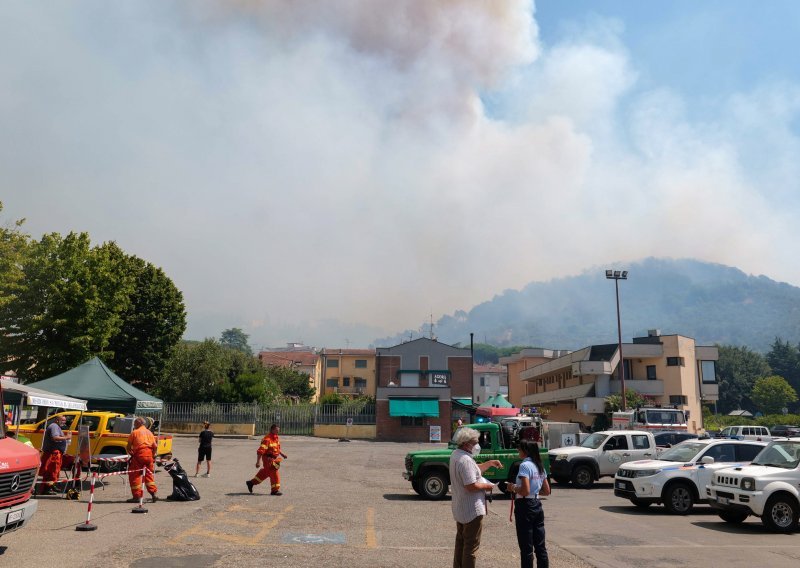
[(615, 452), (640, 448)]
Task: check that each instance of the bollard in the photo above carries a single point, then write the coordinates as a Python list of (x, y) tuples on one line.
[(88, 526)]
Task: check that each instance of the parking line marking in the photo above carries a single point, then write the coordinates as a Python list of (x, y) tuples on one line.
[(223, 516), (371, 539)]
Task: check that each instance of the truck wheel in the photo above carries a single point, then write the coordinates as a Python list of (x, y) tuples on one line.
[(434, 485), (582, 477), (678, 499), (561, 480), (733, 517), (780, 513), (416, 487), (641, 504)]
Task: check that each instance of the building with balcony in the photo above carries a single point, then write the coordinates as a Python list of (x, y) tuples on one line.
[(670, 369), (518, 362), (417, 383), (348, 372)]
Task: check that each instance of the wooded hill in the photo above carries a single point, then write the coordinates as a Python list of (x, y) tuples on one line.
[(710, 302)]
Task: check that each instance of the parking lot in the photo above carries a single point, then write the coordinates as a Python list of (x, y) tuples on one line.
[(346, 504)]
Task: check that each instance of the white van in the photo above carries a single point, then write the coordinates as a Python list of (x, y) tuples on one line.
[(757, 433)]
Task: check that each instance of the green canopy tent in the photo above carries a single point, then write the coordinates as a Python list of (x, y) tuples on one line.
[(102, 389)]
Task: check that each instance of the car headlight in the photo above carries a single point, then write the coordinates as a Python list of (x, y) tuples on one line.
[(646, 472), (561, 457), (748, 484)]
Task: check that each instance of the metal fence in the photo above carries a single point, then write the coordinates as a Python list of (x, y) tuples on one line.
[(298, 419)]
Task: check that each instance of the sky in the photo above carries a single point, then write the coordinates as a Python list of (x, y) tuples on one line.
[(336, 172)]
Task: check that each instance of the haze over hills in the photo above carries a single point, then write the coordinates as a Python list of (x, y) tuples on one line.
[(711, 302)]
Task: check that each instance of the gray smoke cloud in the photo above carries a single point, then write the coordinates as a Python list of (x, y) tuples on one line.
[(336, 171)]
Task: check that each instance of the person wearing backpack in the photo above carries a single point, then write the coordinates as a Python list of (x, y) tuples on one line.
[(528, 514)]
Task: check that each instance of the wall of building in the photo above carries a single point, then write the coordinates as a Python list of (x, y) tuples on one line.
[(389, 428)]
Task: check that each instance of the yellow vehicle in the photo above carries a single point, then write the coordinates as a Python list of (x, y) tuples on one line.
[(108, 434)]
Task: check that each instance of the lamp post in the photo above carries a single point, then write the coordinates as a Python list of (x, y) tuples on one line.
[(616, 276)]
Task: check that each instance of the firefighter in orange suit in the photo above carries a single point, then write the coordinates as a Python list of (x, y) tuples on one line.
[(54, 446), (142, 448), (270, 453)]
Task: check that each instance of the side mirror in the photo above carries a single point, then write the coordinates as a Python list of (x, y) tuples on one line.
[(707, 460)]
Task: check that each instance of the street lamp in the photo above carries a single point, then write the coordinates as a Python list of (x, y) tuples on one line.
[(616, 276)]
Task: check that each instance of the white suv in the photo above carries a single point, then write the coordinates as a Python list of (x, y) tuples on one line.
[(758, 433), (768, 488), (679, 476)]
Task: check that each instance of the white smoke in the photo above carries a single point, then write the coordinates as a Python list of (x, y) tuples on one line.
[(291, 163)]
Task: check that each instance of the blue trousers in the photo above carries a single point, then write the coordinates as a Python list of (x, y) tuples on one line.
[(529, 520)]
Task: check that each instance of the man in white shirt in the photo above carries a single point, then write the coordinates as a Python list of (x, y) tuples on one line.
[(469, 495)]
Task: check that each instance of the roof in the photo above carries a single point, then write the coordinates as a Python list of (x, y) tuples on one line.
[(489, 369), (288, 358), (101, 388), (739, 413), (15, 393)]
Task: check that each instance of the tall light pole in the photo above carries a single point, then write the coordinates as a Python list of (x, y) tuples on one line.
[(616, 276)]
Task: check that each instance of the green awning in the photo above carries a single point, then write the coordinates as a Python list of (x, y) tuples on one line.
[(465, 401), (415, 407)]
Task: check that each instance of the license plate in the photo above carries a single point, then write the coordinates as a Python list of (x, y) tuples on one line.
[(723, 500), (620, 485), (14, 516)]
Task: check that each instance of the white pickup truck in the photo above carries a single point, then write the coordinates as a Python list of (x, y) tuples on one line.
[(768, 488), (600, 455)]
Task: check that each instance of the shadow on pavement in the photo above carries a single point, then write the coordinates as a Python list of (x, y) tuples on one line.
[(722, 526), (406, 497)]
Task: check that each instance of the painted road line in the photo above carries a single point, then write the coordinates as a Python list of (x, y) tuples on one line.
[(203, 529), (371, 538)]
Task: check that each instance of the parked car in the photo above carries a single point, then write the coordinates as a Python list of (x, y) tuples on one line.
[(669, 439), (757, 433), (679, 476), (784, 431), (768, 488)]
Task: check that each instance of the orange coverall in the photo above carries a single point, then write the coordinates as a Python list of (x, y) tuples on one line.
[(270, 451), (51, 467), (142, 447)]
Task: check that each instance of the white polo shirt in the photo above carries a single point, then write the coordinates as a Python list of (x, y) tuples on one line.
[(466, 504)]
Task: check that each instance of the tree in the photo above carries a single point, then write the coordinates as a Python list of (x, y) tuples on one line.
[(784, 359), (152, 324), (235, 338), (632, 400), (13, 248), (201, 372), (738, 368), (67, 308), (292, 382), (772, 394)]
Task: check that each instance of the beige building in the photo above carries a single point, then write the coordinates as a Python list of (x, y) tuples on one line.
[(349, 372), (670, 369), (522, 361)]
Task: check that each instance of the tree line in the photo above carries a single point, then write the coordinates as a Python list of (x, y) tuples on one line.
[(64, 301)]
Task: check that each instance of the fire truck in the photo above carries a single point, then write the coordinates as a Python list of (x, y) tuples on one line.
[(654, 419)]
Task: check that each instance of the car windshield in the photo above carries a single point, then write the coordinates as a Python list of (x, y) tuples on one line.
[(779, 454), (594, 441), (683, 452), (728, 432)]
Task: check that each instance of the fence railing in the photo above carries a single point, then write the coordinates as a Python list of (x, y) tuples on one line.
[(293, 419)]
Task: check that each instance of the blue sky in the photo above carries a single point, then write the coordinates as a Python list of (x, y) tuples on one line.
[(333, 173)]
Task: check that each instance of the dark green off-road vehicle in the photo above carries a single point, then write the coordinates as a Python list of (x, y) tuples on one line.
[(429, 470)]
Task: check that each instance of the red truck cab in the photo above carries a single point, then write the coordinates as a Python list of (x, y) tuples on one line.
[(19, 465)]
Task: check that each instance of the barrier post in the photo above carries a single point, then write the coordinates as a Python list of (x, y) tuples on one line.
[(141, 508), (88, 526)]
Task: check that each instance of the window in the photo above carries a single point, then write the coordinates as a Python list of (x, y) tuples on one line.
[(651, 372), (361, 363), (332, 363), (346, 381), (483, 382), (92, 421), (409, 378), (675, 362), (361, 383), (708, 371), (617, 443), (677, 399), (747, 452), (411, 421), (640, 442), (332, 383), (721, 453)]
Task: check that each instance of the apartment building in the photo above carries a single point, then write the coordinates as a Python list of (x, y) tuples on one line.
[(518, 362), (670, 369), (488, 381), (349, 372)]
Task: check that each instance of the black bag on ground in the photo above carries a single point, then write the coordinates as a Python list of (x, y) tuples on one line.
[(182, 488)]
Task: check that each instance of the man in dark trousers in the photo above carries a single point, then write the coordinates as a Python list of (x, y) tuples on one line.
[(204, 451)]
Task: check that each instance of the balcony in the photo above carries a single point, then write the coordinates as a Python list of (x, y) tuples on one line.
[(649, 388), (558, 395)]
